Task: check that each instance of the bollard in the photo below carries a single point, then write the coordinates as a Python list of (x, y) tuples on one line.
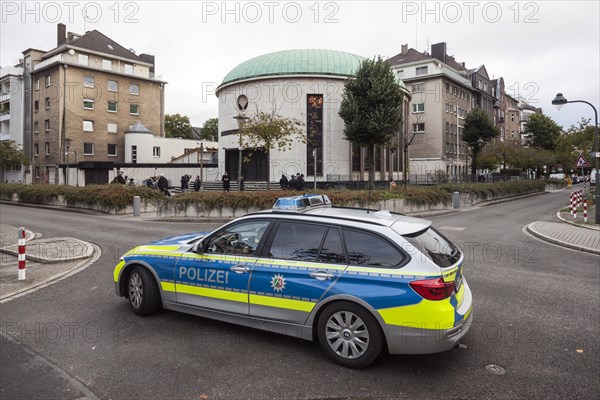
[(21, 245), (571, 203), (136, 206), (456, 200), (585, 210)]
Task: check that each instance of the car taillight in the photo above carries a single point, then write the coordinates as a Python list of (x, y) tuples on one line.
[(433, 289)]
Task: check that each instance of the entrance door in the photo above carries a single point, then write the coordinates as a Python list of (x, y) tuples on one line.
[(96, 176)]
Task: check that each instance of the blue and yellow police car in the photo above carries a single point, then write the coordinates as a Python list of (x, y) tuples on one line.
[(357, 281)]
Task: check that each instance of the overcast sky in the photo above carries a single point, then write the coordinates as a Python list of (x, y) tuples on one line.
[(539, 48)]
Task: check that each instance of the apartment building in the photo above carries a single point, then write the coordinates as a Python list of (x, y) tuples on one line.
[(442, 95), (81, 98), (11, 117), (506, 114)]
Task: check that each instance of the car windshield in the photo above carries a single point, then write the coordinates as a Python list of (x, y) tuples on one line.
[(435, 246)]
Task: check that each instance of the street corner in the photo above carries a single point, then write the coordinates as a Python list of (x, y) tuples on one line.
[(46, 261), (566, 235)]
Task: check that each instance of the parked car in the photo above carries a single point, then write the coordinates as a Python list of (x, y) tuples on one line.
[(357, 281)]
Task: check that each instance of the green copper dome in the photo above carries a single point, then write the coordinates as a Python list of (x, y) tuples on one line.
[(296, 62)]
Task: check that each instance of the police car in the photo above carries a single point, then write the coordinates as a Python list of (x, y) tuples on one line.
[(357, 281)]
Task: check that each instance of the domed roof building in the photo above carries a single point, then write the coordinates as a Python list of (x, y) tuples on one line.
[(305, 84)]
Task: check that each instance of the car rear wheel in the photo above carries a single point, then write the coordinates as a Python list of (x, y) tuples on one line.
[(349, 335), (143, 293)]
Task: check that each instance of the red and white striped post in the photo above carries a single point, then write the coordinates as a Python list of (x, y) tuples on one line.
[(585, 210), (571, 203), (21, 244)]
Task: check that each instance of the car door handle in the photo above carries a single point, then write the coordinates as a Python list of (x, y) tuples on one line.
[(239, 269), (321, 275)]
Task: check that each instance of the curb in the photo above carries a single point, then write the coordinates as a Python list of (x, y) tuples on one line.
[(595, 228), (559, 242), (506, 200), (55, 208), (89, 250)]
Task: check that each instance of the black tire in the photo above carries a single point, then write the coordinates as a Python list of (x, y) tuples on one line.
[(143, 292), (349, 334)]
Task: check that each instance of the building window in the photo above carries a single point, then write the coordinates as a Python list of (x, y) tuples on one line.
[(36, 127), (418, 87), (47, 80), (314, 130), (88, 81), (88, 126), (419, 128), (37, 84), (128, 69), (83, 59), (134, 154), (113, 86), (447, 87), (134, 109), (88, 149), (447, 127), (421, 71), (36, 150), (107, 64), (512, 118), (111, 128), (112, 106), (47, 148), (36, 105), (47, 102), (112, 149), (512, 134), (134, 89), (88, 104), (156, 151), (47, 125), (418, 108), (400, 74)]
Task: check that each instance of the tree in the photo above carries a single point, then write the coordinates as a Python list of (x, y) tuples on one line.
[(498, 154), (543, 131), (575, 141), (210, 130), (11, 155), (372, 108), (269, 131), (178, 126), (478, 126)]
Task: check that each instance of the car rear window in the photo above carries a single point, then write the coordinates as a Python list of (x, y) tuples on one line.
[(435, 246)]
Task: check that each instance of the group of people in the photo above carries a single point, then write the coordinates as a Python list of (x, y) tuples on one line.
[(296, 182)]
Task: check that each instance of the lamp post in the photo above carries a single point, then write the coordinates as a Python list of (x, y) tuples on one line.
[(240, 120), (201, 161), (67, 142), (315, 167), (560, 101)]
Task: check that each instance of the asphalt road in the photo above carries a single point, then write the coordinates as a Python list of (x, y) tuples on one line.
[(536, 318)]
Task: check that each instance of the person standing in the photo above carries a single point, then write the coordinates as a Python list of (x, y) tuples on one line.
[(300, 183), (283, 182), (225, 180), (197, 184), (163, 185), (242, 181), (293, 182)]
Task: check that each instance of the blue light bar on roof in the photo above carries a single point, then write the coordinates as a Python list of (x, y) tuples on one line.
[(301, 203)]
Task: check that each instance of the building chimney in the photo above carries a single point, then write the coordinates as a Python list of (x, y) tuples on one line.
[(61, 34), (438, 51), (404, 48)]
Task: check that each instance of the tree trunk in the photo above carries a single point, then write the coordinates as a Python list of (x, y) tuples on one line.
[(405, 166), (371, 165)]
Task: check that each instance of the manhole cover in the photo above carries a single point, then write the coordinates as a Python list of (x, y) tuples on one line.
[(495, 369)]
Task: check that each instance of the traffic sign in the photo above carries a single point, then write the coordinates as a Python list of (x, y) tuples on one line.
[(581, 162)]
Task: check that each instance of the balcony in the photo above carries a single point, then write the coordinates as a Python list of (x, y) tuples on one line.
[(51, 60), (4, 116)]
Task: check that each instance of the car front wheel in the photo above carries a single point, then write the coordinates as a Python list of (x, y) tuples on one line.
[(142, 291), (349, 335)]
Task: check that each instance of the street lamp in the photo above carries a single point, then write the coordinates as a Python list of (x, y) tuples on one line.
[(240, 120), (67, 142), (560, 101)]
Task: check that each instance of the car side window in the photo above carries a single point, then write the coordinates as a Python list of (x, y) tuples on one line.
[(366, 249), (332, 251), (242, 238), (297, 241)]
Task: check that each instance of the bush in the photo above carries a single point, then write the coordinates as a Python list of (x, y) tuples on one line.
[(121, 196)]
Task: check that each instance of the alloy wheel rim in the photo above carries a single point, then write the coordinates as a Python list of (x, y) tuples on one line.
[(347, 335), (136, 290)]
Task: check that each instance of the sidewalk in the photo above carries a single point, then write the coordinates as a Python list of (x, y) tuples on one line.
[(47, 260), (566, 234)]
